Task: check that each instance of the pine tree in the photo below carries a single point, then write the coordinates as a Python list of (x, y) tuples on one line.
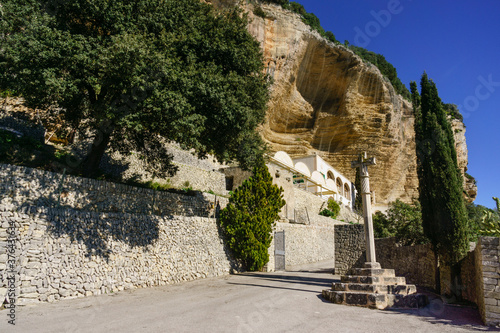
[(440, 181), (249, 217)]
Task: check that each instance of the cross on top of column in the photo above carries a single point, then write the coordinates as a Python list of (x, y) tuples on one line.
[(363, 160), (362, 163)]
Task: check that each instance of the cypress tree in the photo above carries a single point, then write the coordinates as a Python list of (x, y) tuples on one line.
[(249, 217), (440, 181)]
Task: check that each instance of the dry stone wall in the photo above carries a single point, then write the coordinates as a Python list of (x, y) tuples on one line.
[(488, 281), (349, 247), (66, 253), (305, 244), (27, 186), (415, 263), (74, 237)]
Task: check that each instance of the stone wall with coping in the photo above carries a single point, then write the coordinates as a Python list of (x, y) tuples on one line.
[(27, 186), (66, 253)]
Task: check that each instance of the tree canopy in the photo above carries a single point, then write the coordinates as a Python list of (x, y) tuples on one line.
[(132, 71)]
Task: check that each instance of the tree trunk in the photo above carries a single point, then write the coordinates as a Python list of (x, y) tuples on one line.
[(90, 165)]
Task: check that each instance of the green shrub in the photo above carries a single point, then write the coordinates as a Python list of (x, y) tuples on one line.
[(158, 186), (328, 213), (259, 12), (248, 219), (334, 207), (489, 224), (402, 221), (332, 210)]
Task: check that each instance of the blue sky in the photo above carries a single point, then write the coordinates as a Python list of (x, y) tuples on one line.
[(456, 42)]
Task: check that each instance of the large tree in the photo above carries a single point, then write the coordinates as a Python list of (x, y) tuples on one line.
[(444, 215), (135, 70)]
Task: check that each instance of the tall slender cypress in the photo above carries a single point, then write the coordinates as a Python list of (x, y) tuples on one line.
[(440, 181)]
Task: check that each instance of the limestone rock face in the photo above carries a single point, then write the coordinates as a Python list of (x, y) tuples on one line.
[(325, 99), (469, 184)]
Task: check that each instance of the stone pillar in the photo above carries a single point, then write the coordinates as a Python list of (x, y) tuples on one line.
[(362, 163)]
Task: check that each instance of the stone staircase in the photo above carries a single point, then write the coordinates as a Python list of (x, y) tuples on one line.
[(375, 288)]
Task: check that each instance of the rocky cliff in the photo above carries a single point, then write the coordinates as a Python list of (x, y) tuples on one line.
[(326, 100)]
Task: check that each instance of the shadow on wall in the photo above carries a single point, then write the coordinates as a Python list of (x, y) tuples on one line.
[(98, 231)]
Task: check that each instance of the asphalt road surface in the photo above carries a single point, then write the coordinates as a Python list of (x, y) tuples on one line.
[(253, 302)]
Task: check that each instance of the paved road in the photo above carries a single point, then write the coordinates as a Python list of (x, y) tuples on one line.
[(256, 302)]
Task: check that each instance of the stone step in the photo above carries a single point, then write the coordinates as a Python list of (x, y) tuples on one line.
[(393, 280), (374, 272), (376, 288), (374, 300)]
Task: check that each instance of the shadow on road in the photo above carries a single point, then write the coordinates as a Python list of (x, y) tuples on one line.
[(438, 312), (290, 281)]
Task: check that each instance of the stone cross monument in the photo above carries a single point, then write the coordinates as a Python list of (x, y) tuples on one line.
[(362, 163)]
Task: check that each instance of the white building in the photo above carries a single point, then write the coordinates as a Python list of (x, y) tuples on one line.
[(315, 175)]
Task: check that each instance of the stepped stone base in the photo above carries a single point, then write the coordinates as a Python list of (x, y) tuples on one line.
[(375, 288)]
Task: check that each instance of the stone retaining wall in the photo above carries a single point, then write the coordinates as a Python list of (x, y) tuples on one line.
[(349, 247), (415, 263), (27, 186), (488, 281), (305, 244), (66, 253)]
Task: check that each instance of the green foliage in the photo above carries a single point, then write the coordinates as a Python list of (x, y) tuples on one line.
[(258, 11), (331, 37), (279, 2), (248, 219), (131, 71), (452, 110), (158, 186), (332, 210), (328, 213), (333, 206), (187, 186), (486, 220), (403, 221), (310, 19), (385, 67), (470, 177), (440, 181)]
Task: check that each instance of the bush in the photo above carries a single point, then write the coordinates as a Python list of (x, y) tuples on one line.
[(488, 220), (259, 12), (402, 221), (333, 209), (328, 213), (385, 67), (278, 2), (248, 219)]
